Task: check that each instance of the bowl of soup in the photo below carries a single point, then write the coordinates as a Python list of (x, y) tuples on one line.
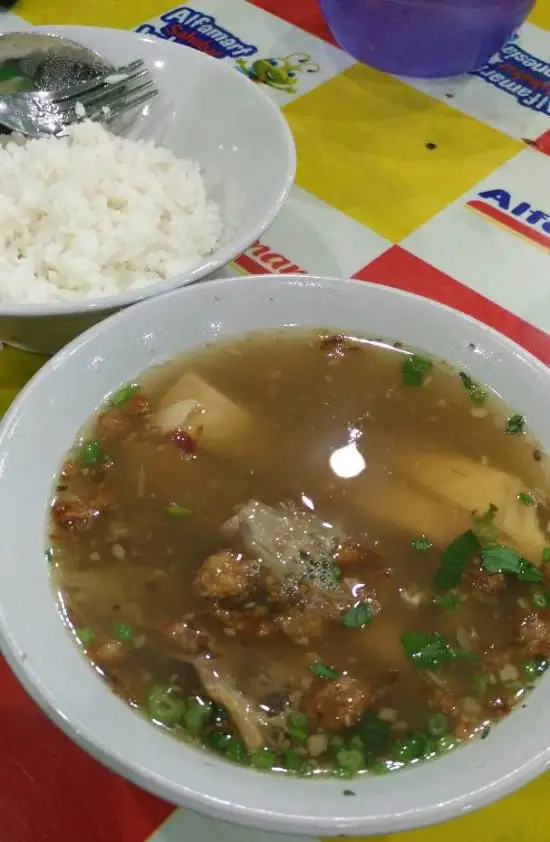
[(278, 552)]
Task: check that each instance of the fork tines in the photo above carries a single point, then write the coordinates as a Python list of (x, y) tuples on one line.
[(112, 78), (108, 95), (125, 102)]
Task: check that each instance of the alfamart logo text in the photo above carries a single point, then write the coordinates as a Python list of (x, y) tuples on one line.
[(195, 29), (520, 74), (514, 213)]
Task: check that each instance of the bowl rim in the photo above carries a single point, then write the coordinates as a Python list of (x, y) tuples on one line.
[(220, 257), (499, 781)]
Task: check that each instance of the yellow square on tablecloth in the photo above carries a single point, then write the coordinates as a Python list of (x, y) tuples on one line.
[(540, 15), (386, 154), (518, 818), (113, 13)]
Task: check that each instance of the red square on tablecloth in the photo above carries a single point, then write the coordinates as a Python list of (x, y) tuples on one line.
[(51, 790)]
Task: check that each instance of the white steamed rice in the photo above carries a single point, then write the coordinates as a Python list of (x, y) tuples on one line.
[(96, 214)]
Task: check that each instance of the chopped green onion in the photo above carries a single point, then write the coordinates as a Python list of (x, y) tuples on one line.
[(445, 743), (415, 369), (347, 792), (484, 528), (85, 635), (235, 750), (336, 743), (177, 511), (448, 601), (374, 732), (530, 671), (540, 600), (49, 555), (263, 758), (91, 453), (121, 395), (407, 749), (535, 668), (477, 394), (437, 725), (383, 767), (525, 498), (467, 381), (350, 761), (322, 671), (515, 425), (421, 543), (164, 706), (542, 664), (485, 733), (430, 747), (123, 631), (298, 727), (546, 555), (291, 760), (356, 742), (488, 516), (218, 740), (219, 714), (196, 716), (357, 616)]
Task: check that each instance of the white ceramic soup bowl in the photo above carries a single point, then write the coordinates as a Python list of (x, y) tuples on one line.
[(206, 111), (40, 427)]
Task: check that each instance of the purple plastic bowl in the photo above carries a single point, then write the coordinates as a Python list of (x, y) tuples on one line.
[(424, 38)]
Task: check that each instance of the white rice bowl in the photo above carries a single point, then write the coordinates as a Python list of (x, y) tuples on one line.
[(95, 214), (205, 112)]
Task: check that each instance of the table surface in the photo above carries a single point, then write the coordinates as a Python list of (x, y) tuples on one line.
[(412, 184)]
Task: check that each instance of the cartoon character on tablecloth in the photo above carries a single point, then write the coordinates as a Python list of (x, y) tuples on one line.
[(279, 73)]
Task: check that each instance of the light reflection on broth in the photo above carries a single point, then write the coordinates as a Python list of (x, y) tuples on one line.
[(310, 553), (347, 462)]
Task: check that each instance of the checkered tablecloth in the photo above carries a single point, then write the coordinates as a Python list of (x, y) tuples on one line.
[(441, 188)]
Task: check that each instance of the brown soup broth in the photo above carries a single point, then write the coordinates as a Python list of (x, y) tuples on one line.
[(311, 553)]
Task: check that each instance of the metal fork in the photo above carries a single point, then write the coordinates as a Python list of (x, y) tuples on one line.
[(103, 98)]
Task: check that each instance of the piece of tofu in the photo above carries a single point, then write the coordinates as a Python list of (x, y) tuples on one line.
[(221, 424), (473, 487), (408, 508)]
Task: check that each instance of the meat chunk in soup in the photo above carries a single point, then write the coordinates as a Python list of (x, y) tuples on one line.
[(225, 574), (190, 640), (308, 553), (285, 540), (339, 704), (535, 633)]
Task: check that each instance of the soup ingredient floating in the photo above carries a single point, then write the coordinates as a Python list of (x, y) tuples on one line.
[(312, 554), (95, 214)]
